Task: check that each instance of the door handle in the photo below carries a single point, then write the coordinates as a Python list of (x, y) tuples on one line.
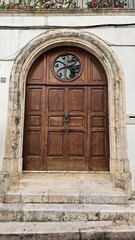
[(66, 117)]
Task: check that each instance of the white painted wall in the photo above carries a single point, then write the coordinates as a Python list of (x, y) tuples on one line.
[(126, 56), (5, 69), (64, 20), (120, 39), (131, 151)]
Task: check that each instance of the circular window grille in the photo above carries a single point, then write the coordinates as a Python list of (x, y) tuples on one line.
[(67, 66)]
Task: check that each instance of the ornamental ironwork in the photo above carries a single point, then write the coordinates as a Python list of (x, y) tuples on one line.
[(67, 67)]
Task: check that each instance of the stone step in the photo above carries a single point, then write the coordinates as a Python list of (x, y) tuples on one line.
[(93, 175), (66, 187), (67, 231), (65, 212), (90, 185), (66, 196), (65, 181)]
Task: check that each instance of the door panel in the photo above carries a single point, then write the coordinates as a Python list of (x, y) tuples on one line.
[(32, 151), (98, 128), (34, 143), (97, 100), (65, 138), (98, 144), (97, 121), (35, 99), (55, 121), (55, 143), (76, 100), (56, 99), (76, 121), (66, 121), (76, 144)]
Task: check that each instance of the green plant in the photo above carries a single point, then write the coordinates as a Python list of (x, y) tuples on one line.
[(100, 236), (106, 3)]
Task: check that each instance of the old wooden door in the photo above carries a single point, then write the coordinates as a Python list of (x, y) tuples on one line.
[(66, 113)]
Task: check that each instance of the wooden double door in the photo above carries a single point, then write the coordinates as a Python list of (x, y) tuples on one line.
[(66, 113)]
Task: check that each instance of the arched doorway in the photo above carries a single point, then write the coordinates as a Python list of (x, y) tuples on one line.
[(13, 159), (66, 113)]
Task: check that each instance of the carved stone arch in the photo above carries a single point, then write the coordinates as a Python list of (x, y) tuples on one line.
[(119, 164)]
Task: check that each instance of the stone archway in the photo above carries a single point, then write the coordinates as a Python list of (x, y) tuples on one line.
[(119, 165)]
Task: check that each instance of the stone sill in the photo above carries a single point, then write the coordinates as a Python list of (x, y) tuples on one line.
[(65, 12)]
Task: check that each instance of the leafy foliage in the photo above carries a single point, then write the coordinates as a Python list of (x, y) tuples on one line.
[(100, 236), (37, 4), (55, 4)]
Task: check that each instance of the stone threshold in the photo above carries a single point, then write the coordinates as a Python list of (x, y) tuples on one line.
[(65, 180), (90, 174)]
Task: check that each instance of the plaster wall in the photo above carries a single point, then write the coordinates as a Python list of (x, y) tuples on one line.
[(120, 39), (131, 152), (65, 20), (5, 69), (127, 58)]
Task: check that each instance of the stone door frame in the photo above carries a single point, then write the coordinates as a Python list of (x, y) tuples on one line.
[(119, 164)]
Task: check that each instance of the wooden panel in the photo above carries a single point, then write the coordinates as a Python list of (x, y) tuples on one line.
[(34, 143), (76, 100), (56, 100), (36, 73), (76, 122), (34, 99), (95, 72), (55, 144), (97, 100), (98, 143), (99, 140), (61, 164), (34, 121), (100, 163), (76, 144), (55, 121), (66, 145), (33, 135), (97, 121)]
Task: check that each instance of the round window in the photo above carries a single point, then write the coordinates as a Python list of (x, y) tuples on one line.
[(67, 66)]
